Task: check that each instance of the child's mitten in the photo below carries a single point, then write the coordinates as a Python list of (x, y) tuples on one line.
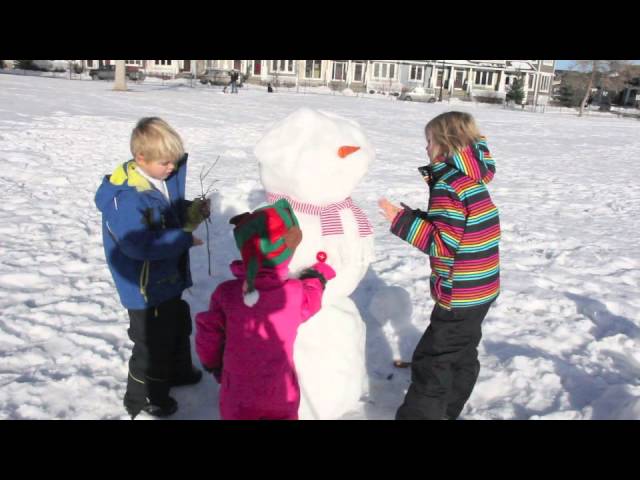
[(320, 270), (197, 212)]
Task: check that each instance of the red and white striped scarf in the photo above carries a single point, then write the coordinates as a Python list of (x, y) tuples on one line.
[(329, 214)]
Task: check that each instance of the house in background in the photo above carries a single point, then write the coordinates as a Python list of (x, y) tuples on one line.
[(336, 74), (630, 96), (383, 76), (467, 79), (153, 68), (478, 78)]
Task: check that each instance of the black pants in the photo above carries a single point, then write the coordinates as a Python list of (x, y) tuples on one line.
[(161, 350), (445, 366)]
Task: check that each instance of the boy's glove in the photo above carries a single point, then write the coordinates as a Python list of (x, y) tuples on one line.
[(197, 212)]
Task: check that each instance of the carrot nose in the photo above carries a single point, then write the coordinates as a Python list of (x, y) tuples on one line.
[(345, 150)]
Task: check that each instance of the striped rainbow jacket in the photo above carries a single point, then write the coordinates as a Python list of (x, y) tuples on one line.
[(460, 230)]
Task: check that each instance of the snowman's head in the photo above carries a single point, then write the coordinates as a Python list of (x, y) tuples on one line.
[(314, 157)]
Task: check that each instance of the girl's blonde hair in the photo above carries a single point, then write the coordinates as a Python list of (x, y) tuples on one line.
[(452, 131), (156, 140)]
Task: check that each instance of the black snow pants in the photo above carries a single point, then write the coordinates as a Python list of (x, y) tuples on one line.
[(445, 366), (161, 351)]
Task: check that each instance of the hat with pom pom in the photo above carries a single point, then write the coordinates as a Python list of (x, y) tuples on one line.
[(267, 237)]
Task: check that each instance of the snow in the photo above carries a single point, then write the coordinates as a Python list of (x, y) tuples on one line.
[(561, 342)]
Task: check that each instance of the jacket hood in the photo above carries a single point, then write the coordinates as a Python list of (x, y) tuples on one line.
[(124, 177), (474, 161)]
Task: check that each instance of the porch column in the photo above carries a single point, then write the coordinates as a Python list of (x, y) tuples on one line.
[(501, 81), (434, 76), (452, 78)]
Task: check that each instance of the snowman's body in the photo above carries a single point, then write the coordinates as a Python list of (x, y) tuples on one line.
[(299, 160)]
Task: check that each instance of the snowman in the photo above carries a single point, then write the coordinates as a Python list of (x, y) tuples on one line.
[(315, 159)]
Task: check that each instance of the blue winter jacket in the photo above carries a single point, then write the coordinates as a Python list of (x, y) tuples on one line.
[(146, 249)]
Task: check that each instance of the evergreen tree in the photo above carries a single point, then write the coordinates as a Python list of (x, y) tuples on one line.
[(516, 93), (568, 96), (24, 64)]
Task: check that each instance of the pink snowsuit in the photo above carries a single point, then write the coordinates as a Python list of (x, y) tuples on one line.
[(254, 345)]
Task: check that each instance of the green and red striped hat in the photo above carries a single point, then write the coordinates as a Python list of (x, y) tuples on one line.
[(266, 237)]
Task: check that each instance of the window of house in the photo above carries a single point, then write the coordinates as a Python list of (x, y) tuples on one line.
[(282, 66), (439, 79), (312, 68), (383, 71), (417, 73), (484, 78), (339, 71), (358, 72), (90, 63), (530, 84), (544, 83)]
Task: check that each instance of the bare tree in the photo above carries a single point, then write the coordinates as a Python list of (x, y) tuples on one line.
[(612, 74)]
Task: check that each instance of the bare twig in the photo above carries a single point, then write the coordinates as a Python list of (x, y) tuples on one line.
[(206, 226), (205, 175), (203, 195)]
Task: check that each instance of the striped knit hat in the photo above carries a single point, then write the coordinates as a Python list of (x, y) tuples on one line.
[(266, 237)]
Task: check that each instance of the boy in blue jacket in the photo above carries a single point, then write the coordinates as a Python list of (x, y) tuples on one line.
[(147, 230)]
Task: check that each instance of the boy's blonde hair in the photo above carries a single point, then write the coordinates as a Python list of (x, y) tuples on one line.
[(452, 131), (156, 140)]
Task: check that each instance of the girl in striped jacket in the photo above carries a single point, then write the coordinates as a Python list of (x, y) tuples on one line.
[(460, 232)]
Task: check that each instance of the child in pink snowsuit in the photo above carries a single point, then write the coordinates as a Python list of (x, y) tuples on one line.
[(246, 337)]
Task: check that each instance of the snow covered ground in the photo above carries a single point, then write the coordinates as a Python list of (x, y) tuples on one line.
[(562, 341)]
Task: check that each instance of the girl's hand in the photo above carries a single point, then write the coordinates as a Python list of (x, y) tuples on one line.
[(389, 210)]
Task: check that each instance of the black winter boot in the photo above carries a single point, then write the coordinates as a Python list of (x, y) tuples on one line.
[(160, 409)]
